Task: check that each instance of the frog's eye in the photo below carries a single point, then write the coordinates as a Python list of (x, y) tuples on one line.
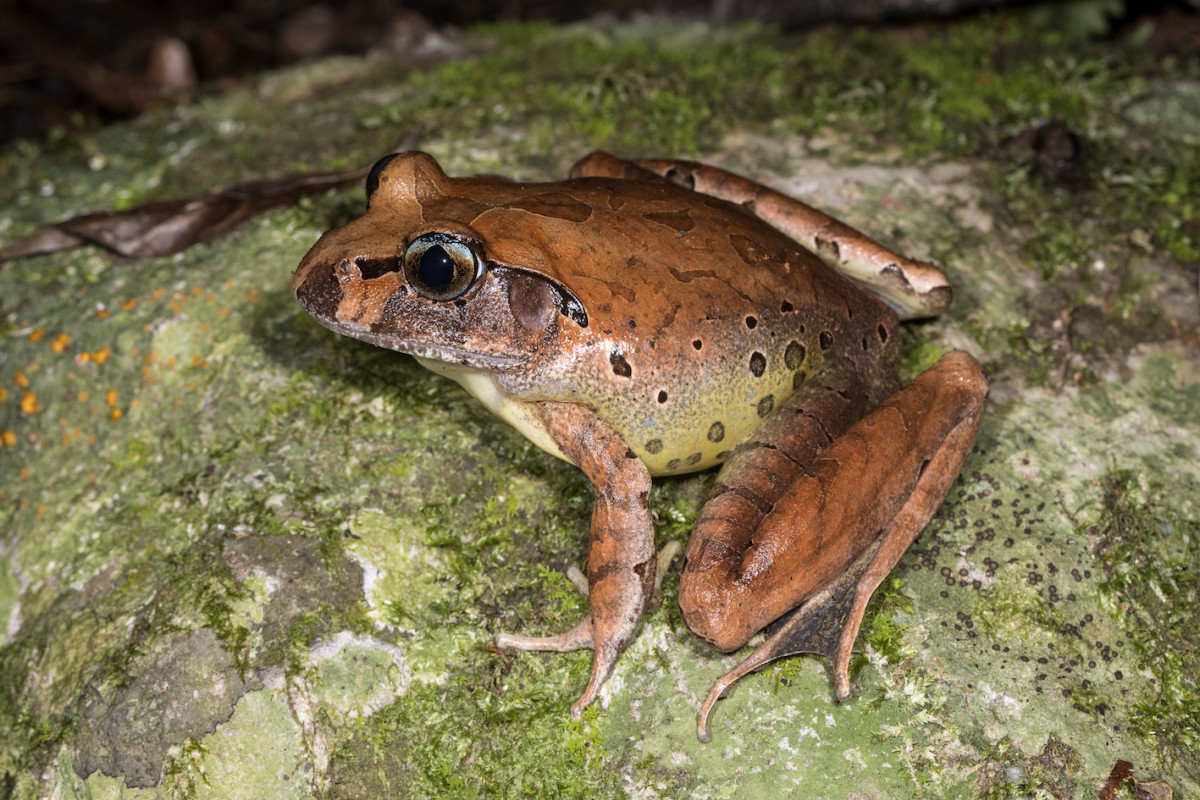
[(441, 267), (373, 175)]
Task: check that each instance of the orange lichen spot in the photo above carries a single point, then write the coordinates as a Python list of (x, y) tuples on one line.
[(3, 394), (30, 404), (191, 384), (151, 358), (60, 343), (208, 298), (198, 361), (102, 313), (37, 335), (130, 304), (66, 439), (92, 440), (229, 281), (205, 327), (20, 379), (24, 473), (41, 511), (9, 438), (158, 293), (115, 416), (253, 296), (146, 371), (197, 290), (82, 397), (82, 358), (225, 312), (110, 397), (170, 361), (135, 351), (175, 305), (101, 355)]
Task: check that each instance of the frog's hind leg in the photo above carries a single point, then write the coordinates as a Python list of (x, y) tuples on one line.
[(913, 288), (827, 540)]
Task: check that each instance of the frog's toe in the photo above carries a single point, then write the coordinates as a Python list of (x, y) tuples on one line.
[(578, 638)]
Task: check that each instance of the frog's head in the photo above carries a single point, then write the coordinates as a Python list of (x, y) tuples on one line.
[(413, 275)]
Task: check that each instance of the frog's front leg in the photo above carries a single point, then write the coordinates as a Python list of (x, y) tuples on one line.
[(621, 562), (824, 543)]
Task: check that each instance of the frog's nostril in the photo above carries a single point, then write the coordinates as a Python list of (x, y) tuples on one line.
[(371, 268)]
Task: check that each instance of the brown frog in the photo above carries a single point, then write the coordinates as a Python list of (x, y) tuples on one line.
[(658, 317)]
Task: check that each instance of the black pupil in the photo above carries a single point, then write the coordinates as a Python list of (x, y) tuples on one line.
[(436, 269)]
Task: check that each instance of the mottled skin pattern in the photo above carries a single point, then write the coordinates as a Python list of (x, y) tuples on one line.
[(636, 327)]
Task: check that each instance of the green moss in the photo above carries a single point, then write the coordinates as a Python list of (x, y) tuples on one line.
[(1150, 554), (524, 754), (1008, 773)]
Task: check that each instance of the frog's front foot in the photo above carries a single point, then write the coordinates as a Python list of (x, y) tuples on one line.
[(581, 636)]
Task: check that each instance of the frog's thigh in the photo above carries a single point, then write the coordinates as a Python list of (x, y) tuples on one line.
[(876, 485), (747, 490)]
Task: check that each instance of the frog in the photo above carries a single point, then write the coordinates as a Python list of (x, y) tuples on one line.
[(656, 317)]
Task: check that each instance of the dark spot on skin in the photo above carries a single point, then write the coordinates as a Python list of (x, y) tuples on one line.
[(864, 343), (678, 221), (459, 302), (684, 179), (559, 205), (883, 333), (786, 307), (826, 340), (696, 343), (694, 459), (716, 432), (766, 405), (798, 379), (662, 397), (828, 250), (632, 324), (751, 323), (654, 446), (619, 365), (750, 250), (673, 464), (758, 364), (724, 454), (794, 355)]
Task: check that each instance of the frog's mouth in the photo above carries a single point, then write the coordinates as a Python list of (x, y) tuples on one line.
[(425, 351), (450, 355)]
